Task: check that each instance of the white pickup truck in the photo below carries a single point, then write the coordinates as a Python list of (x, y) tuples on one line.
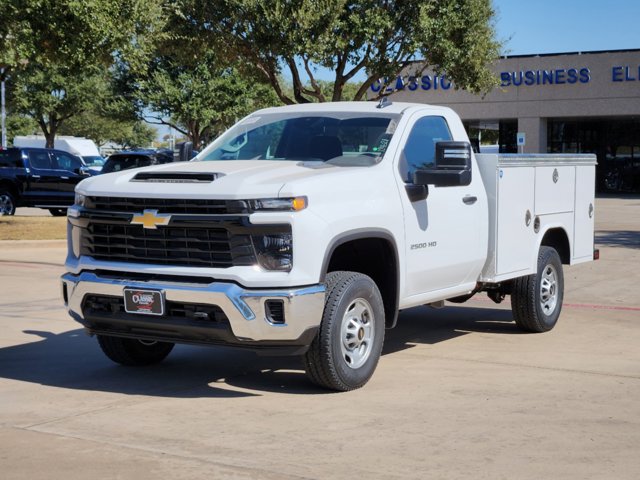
[(305, 230)]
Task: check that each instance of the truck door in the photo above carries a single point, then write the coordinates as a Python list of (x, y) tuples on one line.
[(41, 179), (67, 169), (442, 232)]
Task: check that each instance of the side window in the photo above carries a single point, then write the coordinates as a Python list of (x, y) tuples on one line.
[(40, 159), (420, 150), (10, 159), (64, 161)]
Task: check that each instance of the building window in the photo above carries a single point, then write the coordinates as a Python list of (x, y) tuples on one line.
[(616, 143), (508, 136)]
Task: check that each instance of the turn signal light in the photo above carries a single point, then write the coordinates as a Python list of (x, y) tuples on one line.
[(299, 203)]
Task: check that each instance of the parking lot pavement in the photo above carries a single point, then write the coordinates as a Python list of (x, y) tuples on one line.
[(458, 393)]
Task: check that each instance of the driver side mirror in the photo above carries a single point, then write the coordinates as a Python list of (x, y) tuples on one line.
[(183, 152), (452, 166), (83, 171)]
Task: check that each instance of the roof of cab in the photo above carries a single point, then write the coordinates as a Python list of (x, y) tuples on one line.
[(362, 107)]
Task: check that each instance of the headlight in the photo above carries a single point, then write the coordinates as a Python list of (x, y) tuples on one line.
[(73, 210), (279, 204), (274, 252), (79, 200)]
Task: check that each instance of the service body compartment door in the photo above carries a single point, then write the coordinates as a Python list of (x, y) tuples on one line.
[(515, 237), (584, 213), (555, 187)]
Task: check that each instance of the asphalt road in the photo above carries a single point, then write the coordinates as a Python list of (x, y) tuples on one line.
[(458, 393)]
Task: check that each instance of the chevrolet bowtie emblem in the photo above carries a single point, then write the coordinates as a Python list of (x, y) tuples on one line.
[(150, 219)]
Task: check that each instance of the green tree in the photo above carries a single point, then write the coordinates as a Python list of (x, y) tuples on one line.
[(139, 134), (57, 52), (20, 125), (52, 95), (90, 124), (201, 100), (371, 38), (77, 33)]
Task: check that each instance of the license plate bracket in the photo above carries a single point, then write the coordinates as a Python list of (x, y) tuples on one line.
[(144, 302)]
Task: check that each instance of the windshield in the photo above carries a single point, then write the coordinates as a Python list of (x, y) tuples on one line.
[(331, 137), (93, 161)]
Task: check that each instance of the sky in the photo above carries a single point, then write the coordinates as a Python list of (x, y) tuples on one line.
[(546, 26)]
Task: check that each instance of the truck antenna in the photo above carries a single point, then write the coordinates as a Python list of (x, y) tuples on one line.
[(384, 102)]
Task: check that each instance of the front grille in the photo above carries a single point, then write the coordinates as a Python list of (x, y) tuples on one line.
[(212, 247), (168, 205)]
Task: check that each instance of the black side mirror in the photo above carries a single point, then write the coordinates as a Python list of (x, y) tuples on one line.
[(453, 166), (83, 171), (184, 152)]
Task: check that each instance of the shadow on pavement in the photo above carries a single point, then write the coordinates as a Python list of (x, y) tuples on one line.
[(74, 361), (618, 238)]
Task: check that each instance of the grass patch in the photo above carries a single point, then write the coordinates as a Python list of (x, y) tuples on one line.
[(33, 228)]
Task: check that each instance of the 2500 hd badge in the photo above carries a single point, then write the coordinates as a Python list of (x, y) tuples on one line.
[(416, 246)]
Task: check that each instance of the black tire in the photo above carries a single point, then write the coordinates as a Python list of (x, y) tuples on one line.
[(329, 362), (7, 203), (58, 212), (533, 307), (132, 352)]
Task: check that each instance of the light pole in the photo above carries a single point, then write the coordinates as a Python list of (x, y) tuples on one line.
[(3, 113)]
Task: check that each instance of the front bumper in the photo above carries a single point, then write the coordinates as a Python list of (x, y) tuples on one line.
[(244, 321)]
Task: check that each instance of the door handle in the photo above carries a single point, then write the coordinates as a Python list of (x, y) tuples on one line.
[(469, 200), (64, 178)]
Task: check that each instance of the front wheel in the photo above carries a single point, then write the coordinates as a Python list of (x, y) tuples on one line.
[(345, 353), (536, 300), (132, 352)]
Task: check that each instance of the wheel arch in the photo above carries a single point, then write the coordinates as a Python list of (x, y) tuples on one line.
[(351, 251), (11, 187), (557, 238)]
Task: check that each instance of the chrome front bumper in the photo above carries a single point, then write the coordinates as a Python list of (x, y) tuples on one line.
[(244, 308)]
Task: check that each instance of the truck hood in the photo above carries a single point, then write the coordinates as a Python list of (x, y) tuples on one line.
[(236, 179)]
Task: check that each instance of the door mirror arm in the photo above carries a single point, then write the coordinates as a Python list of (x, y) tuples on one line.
[(416, 193)]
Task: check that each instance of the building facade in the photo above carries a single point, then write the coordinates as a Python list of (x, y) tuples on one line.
[(586, 102)]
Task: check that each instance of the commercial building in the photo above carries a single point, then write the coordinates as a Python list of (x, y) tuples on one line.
[(584, 102)]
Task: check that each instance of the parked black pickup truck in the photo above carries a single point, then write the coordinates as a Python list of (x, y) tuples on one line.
[(38, 177)]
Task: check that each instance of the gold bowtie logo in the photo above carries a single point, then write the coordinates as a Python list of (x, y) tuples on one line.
[(150, 219)]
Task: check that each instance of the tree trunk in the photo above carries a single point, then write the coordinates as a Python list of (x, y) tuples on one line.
[(49, 130), (195, 138), (50, 139)]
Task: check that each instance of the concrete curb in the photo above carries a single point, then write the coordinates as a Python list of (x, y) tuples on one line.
[(17, 244)]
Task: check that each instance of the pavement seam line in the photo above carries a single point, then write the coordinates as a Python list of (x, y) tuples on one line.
[(14, 262), (522, 365), (196, 458)]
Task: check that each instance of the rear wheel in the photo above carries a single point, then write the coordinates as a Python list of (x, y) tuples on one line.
[(58, 212), (536, 300), (132, 352), (345, 353), (7, 203)]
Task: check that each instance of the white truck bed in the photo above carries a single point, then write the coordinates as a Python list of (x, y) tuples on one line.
[(528, 195)]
